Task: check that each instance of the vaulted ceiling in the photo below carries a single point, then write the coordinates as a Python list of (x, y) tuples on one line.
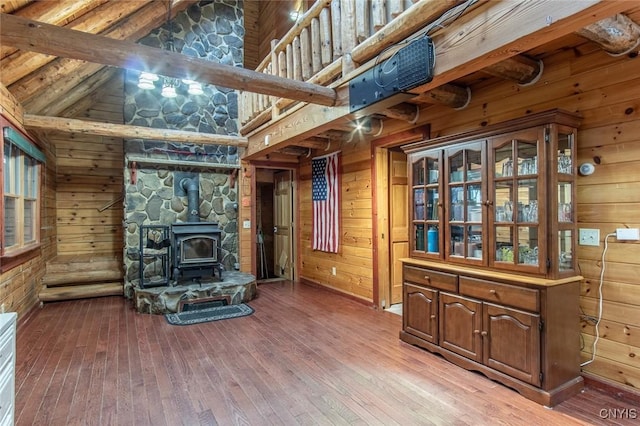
[(49, 85), (55, 85)]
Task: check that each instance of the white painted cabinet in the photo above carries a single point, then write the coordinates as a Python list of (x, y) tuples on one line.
[(7, 367)]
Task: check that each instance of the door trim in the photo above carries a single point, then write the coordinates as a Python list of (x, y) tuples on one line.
[(380, 209), (295, 214)]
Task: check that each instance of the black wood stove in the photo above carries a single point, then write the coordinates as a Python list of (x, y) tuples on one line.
[(195, 250)]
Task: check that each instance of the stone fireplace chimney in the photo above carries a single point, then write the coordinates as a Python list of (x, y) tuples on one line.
[(210, 31)]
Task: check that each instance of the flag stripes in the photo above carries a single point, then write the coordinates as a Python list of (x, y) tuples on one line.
[(325, 191)]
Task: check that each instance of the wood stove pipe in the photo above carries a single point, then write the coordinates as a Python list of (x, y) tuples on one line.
[(192, 189)]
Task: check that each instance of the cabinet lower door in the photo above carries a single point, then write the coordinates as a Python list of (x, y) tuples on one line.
[(461, 325), (512, 342), (420, 307)]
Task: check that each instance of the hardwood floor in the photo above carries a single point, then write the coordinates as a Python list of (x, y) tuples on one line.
[(306, 356)]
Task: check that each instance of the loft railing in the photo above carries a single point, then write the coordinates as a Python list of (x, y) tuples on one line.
[(327, 42)]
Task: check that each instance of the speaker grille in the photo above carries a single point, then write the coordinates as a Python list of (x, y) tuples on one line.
[(415, 63)]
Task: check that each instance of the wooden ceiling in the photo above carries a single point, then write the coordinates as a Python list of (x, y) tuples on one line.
[(50, 85)]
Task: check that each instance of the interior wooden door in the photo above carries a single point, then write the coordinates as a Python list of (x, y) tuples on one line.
[(398, 220), (283, 225)]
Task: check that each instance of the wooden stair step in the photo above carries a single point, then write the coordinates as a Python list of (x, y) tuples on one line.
[(73, 278), (83, 263), (56, 294)]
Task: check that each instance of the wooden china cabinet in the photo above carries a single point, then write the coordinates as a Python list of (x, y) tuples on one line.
[(491, 282)]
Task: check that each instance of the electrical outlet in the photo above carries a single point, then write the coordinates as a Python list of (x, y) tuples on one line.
[(588, 237), (333, 270), (628, 234)]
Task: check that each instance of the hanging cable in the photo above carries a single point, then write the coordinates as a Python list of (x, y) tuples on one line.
[(597, 326)]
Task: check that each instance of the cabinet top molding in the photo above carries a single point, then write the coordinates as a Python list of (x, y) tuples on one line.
[(558, 116)]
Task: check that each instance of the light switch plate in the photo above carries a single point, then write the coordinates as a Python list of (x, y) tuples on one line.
[(588, 237)]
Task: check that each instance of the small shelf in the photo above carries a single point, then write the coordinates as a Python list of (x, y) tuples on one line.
[(200, 165)]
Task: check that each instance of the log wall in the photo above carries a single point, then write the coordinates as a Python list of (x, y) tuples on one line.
[(89, 177), (354, 260), (19, 286), (605, 90)]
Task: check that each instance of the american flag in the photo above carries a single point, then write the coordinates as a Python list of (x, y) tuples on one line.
[(325, 189)]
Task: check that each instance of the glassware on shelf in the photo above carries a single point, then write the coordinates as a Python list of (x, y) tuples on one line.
[(504, 254), (564, 212), (528, 166), (528, 255), (508, 211), (433, 176), (564, 164), (533, 211), (507, 168), (473, 175)]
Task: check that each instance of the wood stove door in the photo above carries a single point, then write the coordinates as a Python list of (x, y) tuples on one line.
[(283, 224)]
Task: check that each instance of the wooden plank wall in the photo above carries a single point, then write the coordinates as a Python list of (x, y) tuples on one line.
[(354, 261), (19, 286), (89, 176), (252, 21), (606, 91), (274, 23), (246, 239)]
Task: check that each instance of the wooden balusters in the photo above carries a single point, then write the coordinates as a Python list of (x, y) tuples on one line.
[(348, 32), (305, 54), (378, 14), (336, 32), (316, 60), (362, 20), (331, 39), (325, 36)]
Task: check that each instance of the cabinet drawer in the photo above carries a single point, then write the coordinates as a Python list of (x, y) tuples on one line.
[(503, 294), (427, 277)]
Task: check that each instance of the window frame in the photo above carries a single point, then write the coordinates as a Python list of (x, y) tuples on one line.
[(22, 251)]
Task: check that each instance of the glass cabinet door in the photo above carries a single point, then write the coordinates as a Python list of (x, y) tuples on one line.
[(426, 204), (464, 201), (564, 183), (516, 193)]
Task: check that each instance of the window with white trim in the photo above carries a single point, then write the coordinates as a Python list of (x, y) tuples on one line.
[(21, 164)]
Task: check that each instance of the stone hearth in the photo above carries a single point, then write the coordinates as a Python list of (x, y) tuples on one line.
[(235, 288)]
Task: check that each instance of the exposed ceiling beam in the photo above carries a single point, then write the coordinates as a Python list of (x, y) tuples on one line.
[(448, 94), (53, 40), (71, 125), (504, 29), (56, 13), (23, 62), (519, 68), (616, 34), (492, 33), (41, 88)]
